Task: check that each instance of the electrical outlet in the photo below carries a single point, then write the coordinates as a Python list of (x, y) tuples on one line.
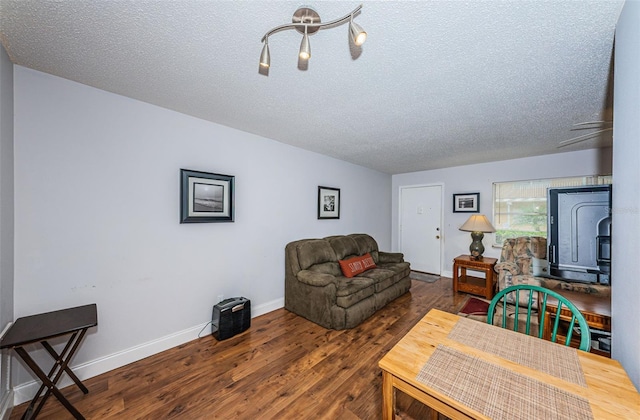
[(220, 298)]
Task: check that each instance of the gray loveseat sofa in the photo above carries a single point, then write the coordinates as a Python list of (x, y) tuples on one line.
[(316, 288)]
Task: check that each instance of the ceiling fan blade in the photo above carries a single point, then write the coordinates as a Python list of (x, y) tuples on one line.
[(593, 122), (582, 137)]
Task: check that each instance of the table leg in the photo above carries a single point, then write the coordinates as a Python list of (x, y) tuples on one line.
[(455, 278), (60, 366), (48, 384), (58, 357), (488, 284), (388, 397), (61, 362)]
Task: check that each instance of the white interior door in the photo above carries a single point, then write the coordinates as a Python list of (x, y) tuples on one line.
[(421, 227)]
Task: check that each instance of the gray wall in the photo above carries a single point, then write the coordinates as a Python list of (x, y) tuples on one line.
[(97, 216), (626, 193), (6, 216)]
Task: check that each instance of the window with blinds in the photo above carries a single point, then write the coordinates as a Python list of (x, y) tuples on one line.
[(520, 207)]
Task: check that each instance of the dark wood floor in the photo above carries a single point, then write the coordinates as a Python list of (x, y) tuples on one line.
[(282, 367)]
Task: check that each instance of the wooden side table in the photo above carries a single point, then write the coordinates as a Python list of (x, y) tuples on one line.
[(596, 310), (478, 286)]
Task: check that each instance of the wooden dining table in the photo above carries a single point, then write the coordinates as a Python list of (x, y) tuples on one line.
[(466, 369)]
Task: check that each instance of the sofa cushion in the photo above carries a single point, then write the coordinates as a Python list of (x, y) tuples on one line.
[(343, 246), (382, 278), (356, 265), (315, 251), (366, 244), (351, 291), (403, 268)]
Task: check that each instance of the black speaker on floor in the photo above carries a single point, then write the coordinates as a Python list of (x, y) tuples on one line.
[(230, 317)]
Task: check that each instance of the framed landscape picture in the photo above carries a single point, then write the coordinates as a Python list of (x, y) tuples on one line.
[(466, 203), (206, 197), (328, 203)]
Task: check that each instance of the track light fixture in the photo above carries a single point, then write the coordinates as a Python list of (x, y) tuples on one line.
[(307, 21)]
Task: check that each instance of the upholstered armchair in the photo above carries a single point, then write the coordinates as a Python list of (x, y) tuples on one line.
[(521, 261)]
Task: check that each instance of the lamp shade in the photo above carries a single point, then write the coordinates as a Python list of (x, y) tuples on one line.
[(477, 223)]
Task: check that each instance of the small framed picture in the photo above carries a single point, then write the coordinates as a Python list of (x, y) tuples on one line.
[(466, 203), (328, 203), (206, 197)]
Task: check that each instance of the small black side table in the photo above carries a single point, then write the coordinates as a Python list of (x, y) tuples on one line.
[(40, 328)]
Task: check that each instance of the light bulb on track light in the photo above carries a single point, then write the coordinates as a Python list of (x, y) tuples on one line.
[(265, 57), (305, 48), (357, 33)]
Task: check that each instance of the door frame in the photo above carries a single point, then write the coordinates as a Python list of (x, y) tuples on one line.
[(399, 221)]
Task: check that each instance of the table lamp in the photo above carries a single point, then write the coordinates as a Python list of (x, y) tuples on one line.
[(477, 225)]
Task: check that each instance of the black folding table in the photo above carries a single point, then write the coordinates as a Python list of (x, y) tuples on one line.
[(40, 328)]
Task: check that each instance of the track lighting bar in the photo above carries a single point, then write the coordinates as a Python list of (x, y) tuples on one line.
[(307, 21)]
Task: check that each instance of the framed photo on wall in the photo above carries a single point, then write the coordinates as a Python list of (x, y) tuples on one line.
[(328, 203), (206, 197), (466, 203)]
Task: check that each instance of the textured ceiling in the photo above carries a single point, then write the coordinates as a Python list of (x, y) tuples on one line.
[(437, 84)]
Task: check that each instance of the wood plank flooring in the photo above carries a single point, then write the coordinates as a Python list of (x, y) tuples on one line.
[(283, 367)]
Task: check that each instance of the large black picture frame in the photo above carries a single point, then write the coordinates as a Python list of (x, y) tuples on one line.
[(206, 197)]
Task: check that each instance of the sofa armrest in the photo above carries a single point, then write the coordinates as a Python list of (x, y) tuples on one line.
[(507, 266), (390, 257), (314, 278)]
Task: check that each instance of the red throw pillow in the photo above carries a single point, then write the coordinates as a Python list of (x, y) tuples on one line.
[(356, 265)]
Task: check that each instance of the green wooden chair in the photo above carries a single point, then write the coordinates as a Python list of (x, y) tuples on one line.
[(541, 304)]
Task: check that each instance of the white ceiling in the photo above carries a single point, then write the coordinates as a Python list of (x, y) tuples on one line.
[(437, 84)]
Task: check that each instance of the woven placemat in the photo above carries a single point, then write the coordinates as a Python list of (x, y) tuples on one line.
[(496, 392), (544, 356)]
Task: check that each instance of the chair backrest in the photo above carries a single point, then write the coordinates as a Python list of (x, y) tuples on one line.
[(543, 294), (522, 250)]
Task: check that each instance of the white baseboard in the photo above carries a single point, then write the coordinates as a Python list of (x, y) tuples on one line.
[(26, 391), (267, 307)]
